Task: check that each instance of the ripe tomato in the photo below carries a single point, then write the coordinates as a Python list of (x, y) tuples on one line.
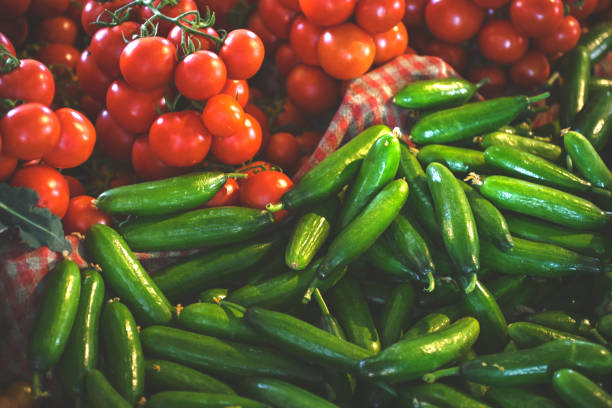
[(414, 13), (276, 17), (200, 75), (31, 81), (82, 213), (283, 150), (147, 165), (133, 110), (108, 43), (453, 54), (92, 10), (223, 115), (531, 71), (378, 16), (75, 186), (290, 115), (229, 194), (112, 139), (148, 62), (586, 8), (93, 81), (253, 168), (76, 142), (256, 25), (241, 146), (491, 4), (90, 106), (61, 56), (48, 8), (346, 51), (327, 13), (308, 141), (500, 42), (8, 164), (164, 27), (312, 90), (602, 5), (200, 42), (237, 89), (390, 44), (263, 121), (11, 8), (263, 188), (15, 30), (29, 131), (285, 59), (4, 41), (180, 139), (497, 79), (57, 30), (221, 8), (292, 4), (51, 186), (243, 54), (304, 37), (535, 18), (453, 21), (563, 39)]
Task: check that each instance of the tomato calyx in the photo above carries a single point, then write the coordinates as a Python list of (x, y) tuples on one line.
[(9, 61)]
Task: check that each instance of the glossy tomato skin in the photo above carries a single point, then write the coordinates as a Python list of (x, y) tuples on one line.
[(563, 39), (132, 109), (108, 43), (256, 25), (500, 42), (276, 17), (148, 63), (90, 106), (75, 186), (304, 37), (57, 30), (491, 4), (237, 89), (497, 79), (76, 142), (531, 71), (7, 44), (229, 194), (200, 42), (378, 16), (147, 165), (266, 187), (453, 21), (453, 54), (15, 30), (8, 164), (51, 186), (586, 8), (164, 27), (223, 115), (263, 121), (243, 53), (283, 150), (390, 44), (346, 51), (112, 139), (29, 131), (312, 90), (82, 213), (93, 81), (253, 168), (241, 146), (31, 81), (414, 13), (286, 59), (200, 75), (535, 18), (327, 13), (60, 55)]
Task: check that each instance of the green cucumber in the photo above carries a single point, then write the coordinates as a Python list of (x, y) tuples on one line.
[(281, 394), (439, 394), (600, 84), (213, 295), (546, 150), (383, 256), (598, 41), (481, 304), (512, 397), (429, 323), (594, 120), (458, 159), (100, 393), (436, 93), (505, 288), (224, 321), (396, 312), (190, 399), (579, 391), (576, 72), (559, 320), (163, 375), (587, 160), (526, 334)]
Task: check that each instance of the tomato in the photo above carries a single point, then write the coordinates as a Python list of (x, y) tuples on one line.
[(94, 10), (29, 131), (497, 79), (491, 4), (164, 27), (602, 5), (15, 30), (390, 44), (82, 213), (276, 17), (6, 43), (263, 188), (121, 178), (378, 16), (221, 8), (58, 55), (263, 121), (241, 146), (108, 43), (253, 168), (308, 141), (285, 59), (256, 25), (312, 90), (180, 139), (500, 42), (292, 4), (74, 11), (283, 150), (75, 186), (586, 8), (132, 109), (148, 62), (229, 194), (200, 42), (13, 8), (57, 30), (414, 13), (223, 115), (48, 8), (31, 81), (51, 186), (8, 165), (535, 18), (346, 51), (531, 71), (289, 115), (147, 165), (453, 54), (304, 37), (76, 142), (326, 12), (90, 106), (93, 81), (243, 54), (563, 39), (238, 89), (200, 75), (112, 139), (453, 21)]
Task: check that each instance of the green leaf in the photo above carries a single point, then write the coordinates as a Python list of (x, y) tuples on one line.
[(36, 226)]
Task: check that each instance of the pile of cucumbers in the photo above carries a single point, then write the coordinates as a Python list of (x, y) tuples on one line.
[(390, 285)]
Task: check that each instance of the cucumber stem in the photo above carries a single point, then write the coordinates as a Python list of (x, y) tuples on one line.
[(474, 179), (601, 192), (37, 391), (311, 288), (386, 387), (539, 97), (436, 375), (321, 302), (471, 284), (431, 282), (274, 207), (236, 175), (594, 333), (482, 82)]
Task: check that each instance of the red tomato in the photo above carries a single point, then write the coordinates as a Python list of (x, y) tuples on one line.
[(497, 79), (180, 139), (308, 141), (602, 5), (491, 4), (378, 16), (93, 81), (292, 4), (82, 213), (12, 8), (312, 90), (289, 115), (229, 194), (453, 21), (76, 142), (500, 42), (48, 8), (29, 131), (200, 75), (90, 106), (223, 116), (4, 41), (15, 30), (256, 25), (147, 165), (535, 18), (164, 27), (31, 81), (8, 165), (263, 188), (200, 42), (74, 186), (238, 89), (94, 10), (414, 14), (133, 110), (276, 17), (74, 11), (285, 59), (59, 55), (108, 43), (148, 62), (563, 39), (586, 8), (346, 51), (262, 119), (253, 168), (453, 54), (283, 150), (241, 146), (390, 44), (304, 37), (221, 8), (243, 54), (51, 186), (327, 13), (112, 139), (57, 30), (531, 71)]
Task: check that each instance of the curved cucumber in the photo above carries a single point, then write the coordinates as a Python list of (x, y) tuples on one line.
[(190, 399), (511, 397), (576, 72), (430, 323), (223, 321), (100, 393), (579, 391), (481, 304), (527, 334), (162, 375), (546, 150), (457, 159), (282, 394), (396, 312), (598, 41), (439, 394), (587, 160), (383, 256), (593, 121), (435, 93)]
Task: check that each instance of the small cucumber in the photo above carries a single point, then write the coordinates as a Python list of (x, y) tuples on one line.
[(481, 304), (587, 160), (100, 393), (546, 150), (576, 72), (281, 394), (223, 321), (593, 121), (396, 312), (440, 395), (579, 391), (429, 323), (383, 256), (559, 320), (512, 397), (213, 295), (526, 334), (190, 399), (598, 41), (435, 93), (162, 375), (458, 159)]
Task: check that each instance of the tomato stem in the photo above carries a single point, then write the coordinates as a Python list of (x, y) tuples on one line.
[(274, 207), (436, 375), (483, 82), (10, 62)]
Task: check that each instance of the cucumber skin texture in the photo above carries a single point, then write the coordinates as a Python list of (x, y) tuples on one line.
[(218, 321), (469, 120), (126, 276), (410, 359), (455, 219), (396, 312), (365, 229), (100, 393), (377, 169), (282, 394), (511, 397), (596, 112), (597, 41), (81, 353), (197, 228), (123, 358), (310, 233), (55, 316), (163, 375), (382, 256), (162, 196), (221, 357), (457, 159), (430, 323), (435, 93), (190, 399), (334, 172), (587, 160), (481, 304), (441, 395), (527, 334), (411, 247), (548, 151), (543, 202), (576, 68), (579, 391)]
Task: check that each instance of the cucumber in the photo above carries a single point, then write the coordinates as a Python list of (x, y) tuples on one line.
[(587, 160), (436, 93), (100, 393), (163, 375), (396, 313), (189, 399), (576, 72), (598, 41), (281, 394), (430, 323), (593, 121), (546, 150), (457, 159), (383, 256)]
